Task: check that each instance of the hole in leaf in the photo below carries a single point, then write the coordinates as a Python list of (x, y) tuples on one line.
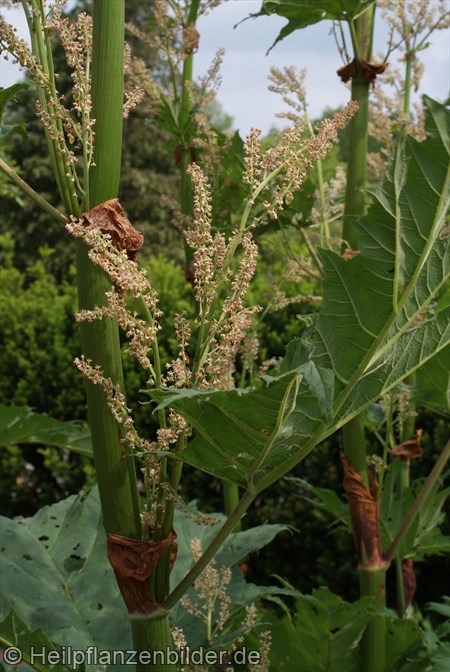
[(25, 556), (43, 537), (74, 563), (99, 606)]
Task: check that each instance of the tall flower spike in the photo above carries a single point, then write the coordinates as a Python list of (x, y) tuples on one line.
[(199, 239)]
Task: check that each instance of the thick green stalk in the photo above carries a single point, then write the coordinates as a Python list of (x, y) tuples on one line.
[(355, 203), (372, 576), (230, 499), (152, 634), (403, 485), (372, 582), (355, 447), (100, 339)]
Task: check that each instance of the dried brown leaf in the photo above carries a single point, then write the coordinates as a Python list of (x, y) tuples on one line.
[(364, 512), (369, 70), (409, 581), (409, 450), (110, 218), (191, 38), (133, 562)]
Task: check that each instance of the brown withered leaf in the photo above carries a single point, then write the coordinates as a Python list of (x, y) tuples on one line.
[(369, 70), (409, 450), (133, 562), (364, 512), (191, 38), (409, 581), (110, 218)]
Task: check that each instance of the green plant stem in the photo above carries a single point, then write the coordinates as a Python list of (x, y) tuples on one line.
[(409, 57), (152, 634), (372, 581), (226, 529), (314, 256), (355, 203), (372, 578), (231, 500), (415, 508), (100, 340), (34, 28), (107, 98), (403, 485), (355, 447), (399, 586), (68, 169), (37, 198)]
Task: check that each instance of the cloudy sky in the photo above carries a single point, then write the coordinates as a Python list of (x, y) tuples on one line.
[(244, 94)]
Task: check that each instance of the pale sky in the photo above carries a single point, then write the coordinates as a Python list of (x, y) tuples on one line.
[(244, 94)]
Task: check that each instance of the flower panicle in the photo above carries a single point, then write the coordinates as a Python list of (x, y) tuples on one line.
[(115, 400), (126, 277), (290, 84), (210, 590), (199, 238), (73, 128), (178, 371), (282, 169), (124, 273)]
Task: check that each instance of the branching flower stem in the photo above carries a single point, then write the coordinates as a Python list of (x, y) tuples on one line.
[(205, 332), (43, 52), (55, 159)]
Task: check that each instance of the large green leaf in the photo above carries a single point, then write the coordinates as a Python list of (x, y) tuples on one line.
[(402, 637), (303, 13), (433, 384), (58, 586), (15, 633), (19, 424), (374, 329), (323, 635), (242, 435), (56, 576)]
